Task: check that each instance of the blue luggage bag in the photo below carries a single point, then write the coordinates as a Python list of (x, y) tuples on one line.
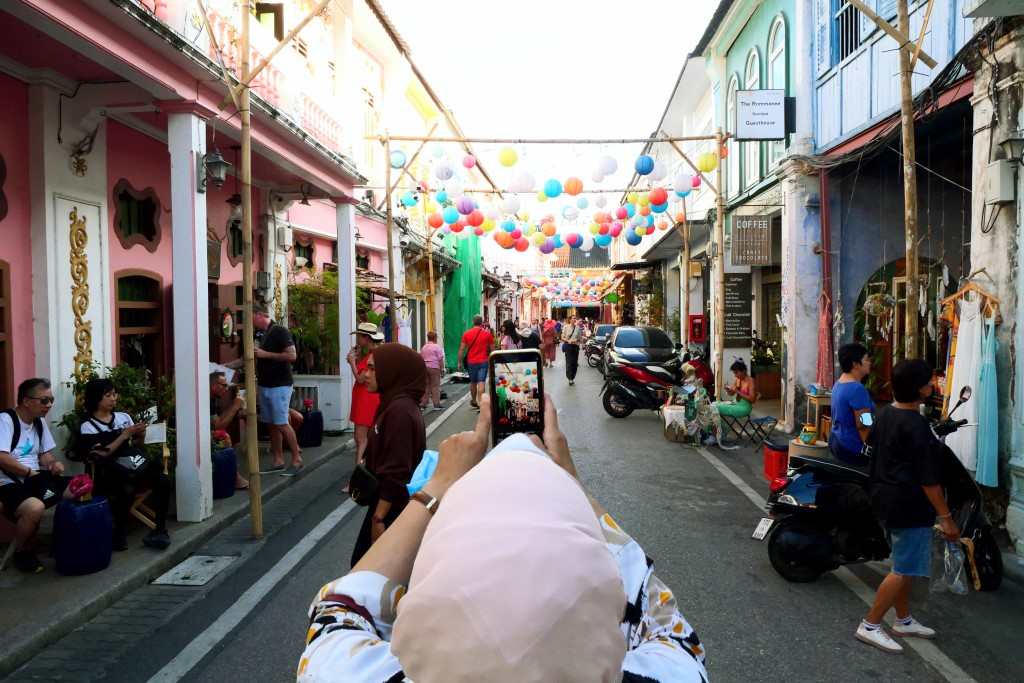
[(311, 433), (225, 467), (83, 536)]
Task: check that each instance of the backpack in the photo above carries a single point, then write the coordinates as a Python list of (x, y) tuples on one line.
[(16, 435)]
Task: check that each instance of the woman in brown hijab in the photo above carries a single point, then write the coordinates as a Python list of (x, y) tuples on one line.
[(397, 438)]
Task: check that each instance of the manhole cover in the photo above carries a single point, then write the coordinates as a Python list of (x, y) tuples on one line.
[(195, 571)]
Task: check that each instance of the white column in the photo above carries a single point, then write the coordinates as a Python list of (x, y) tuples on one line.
[(186, 139), (803, 76), (345, 217)]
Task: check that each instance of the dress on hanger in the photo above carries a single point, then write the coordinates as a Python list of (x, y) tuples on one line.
[(967, 372), (988, 411)]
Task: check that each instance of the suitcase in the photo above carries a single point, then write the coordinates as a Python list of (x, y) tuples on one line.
[(82, 536), (311, 434), (225, 467)]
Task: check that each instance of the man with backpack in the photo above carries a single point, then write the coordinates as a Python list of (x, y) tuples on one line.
[(30, 477)]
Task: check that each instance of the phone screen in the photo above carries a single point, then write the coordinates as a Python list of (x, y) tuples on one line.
[(516, 383)]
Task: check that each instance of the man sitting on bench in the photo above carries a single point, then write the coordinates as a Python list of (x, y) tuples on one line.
[(30, 476)]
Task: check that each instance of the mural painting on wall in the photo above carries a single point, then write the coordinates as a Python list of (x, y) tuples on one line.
[(79, 238)]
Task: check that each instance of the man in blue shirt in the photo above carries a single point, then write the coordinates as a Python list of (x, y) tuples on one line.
[(851, 406)]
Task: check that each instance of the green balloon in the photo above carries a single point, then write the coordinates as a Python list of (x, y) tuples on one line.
[(612, 298)]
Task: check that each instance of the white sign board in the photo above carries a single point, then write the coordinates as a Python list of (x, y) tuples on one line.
[(760, 115)]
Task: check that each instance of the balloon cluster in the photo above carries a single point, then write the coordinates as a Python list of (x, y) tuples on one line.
[(569, 288)]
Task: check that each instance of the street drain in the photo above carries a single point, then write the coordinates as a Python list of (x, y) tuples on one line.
[(197, 570)]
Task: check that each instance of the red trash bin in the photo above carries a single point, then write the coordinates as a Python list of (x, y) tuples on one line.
[(776, 460)]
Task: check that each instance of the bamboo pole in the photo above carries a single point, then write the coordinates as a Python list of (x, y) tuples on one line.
[(543, 141), (233, 88), (430, 277), (719, 275), (714, 187), (685, 273), (248, 79), (485, 190), (921, 34), (393, 318), (911, 320), (901, 35), (251, 443), (405, 169)]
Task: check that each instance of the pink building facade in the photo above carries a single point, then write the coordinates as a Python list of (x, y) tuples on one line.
[(112, 249)]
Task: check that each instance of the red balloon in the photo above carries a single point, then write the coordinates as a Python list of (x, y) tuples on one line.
[(621, 213), (658, 196), (616, 229), (522, 244), (435, 220), (605, 228), (515, 234), (645, 211), (475, 218), (478, 231)]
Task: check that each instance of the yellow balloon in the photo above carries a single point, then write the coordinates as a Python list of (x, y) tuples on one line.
[(644, 199), (595, 228), (523, 215), (541, 197), (539, 238), (508, 156), (631, 198), (707, 162), (530, 229), (488, 224), (433, 207)]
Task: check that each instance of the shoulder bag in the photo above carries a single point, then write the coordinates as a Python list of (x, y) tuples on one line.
[(362, 485)]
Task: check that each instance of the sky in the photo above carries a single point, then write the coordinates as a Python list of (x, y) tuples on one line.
[(553, 68)]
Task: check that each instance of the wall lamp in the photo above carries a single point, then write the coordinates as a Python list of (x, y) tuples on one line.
[(211, 166), (1013, 145)]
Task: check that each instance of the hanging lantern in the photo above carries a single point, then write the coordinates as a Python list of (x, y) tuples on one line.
[(573, 186), (707, 162)]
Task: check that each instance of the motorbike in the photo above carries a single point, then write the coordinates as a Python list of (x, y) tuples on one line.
[(594, 351), (644, 384), (820, 516)]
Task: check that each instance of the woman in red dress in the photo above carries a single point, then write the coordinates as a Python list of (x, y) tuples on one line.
[(364, 403), (549, 342)]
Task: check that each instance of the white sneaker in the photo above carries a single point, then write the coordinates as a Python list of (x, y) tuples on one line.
[(878, 638), (914, 629)]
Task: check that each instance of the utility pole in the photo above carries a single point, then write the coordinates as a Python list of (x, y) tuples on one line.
[(909, 186), (393, 317), (719, 269)]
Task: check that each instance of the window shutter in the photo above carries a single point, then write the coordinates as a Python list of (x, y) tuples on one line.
[(885, 9), (867, 27), (823, 36)]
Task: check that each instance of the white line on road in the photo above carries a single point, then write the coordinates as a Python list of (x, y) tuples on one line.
[(927, 650), (449, 411), (215, 633)]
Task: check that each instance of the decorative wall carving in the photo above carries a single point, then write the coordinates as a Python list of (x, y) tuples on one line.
[(79, 238), (278, 308)]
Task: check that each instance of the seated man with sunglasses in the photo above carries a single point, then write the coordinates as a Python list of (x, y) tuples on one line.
[(30, 476)]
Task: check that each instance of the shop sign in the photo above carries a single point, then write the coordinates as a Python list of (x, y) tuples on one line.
[(738, 318), (752, 241), (760, 115)]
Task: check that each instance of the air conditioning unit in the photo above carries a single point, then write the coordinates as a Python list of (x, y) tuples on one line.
[(284, 237), (263, 280)]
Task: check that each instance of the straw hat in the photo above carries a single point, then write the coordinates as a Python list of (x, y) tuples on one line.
[(370, 330)]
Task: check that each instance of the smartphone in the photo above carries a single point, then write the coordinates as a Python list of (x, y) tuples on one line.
[(515, 379)]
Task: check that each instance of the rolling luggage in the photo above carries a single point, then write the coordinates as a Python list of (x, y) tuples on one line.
[(225, 467), (311, 434), (82, 536)]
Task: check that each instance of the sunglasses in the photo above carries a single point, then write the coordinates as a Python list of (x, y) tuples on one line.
[(45, 400)]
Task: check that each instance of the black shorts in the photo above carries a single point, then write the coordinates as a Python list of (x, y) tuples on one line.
[(44, 486)]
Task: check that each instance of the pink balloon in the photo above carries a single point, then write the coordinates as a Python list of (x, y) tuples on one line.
[(469, 161), (696, 181)]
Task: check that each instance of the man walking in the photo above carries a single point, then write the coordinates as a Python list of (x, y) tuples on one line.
[(571, 349), (908, 498), (274, 358), (851, 406), (474, 351)]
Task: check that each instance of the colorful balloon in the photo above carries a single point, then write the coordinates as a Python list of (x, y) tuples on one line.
[(621, 213), (443, 171), (548, 229), (696, 181), (644, 164), (582, 203), (659, 208), (658, 195), (682, 182), (475, 218), (603, 240), (408, 199), (607, 165), (573, 186), (508, 226), (633, 239), (450, 214), (542, 196), (616, 229), (435, 220), (707, 162), (552, 188), (398, 159), (510, 204), (469, 161), (508, 157), (522, 244), (442, 197), (465, 205)]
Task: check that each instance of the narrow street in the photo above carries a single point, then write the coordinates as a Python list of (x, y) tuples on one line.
[(691, 511)]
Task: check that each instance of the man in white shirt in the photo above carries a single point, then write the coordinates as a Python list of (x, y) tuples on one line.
[(30, 476)]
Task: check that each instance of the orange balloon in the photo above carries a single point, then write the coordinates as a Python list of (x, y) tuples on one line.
[(645, 211), (522, 244), (681, 217), (549, 229), (662, 225), (573, 186), (435, 220)]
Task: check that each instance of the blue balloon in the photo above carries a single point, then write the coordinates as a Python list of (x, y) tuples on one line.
[(650, 221), (450, 215), (644, 164), (582, 203), (603, 240), (409, 200), (552, 188), (442, 197), (508, 226), (682, 194), (557, 239), (659, 208), (630, 210), (398, 159), (632, 238)]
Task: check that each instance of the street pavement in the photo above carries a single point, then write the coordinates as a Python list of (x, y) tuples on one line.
[(693, 511)]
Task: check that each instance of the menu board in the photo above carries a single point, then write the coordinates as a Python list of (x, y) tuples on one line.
[(738, 317)]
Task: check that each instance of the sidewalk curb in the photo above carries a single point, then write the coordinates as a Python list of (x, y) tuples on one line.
[(21, 651)]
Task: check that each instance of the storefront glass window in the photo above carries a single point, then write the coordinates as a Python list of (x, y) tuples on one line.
[(752, 150)]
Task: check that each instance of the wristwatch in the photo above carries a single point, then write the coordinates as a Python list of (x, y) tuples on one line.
[(427, 500)]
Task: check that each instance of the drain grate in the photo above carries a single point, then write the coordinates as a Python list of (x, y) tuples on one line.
[(197, 570)]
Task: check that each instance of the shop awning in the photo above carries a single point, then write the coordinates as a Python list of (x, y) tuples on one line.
[(632, 265)]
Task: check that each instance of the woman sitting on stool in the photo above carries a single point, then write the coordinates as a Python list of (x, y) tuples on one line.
[(112, 441), (744, 393)]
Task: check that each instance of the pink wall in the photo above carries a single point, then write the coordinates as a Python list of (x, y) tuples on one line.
[(319, 216), (15, 229), (374, 233)]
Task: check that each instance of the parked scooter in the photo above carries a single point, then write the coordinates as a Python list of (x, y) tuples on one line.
[(820, 516)]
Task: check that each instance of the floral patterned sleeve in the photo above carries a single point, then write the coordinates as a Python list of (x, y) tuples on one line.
[(351, 620), (662, 646)]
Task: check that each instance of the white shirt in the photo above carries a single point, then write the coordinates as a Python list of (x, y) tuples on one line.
[(119, 421), (28, 449)]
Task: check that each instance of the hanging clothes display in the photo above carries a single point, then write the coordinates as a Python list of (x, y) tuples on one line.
[(966, 371), (988, 411)]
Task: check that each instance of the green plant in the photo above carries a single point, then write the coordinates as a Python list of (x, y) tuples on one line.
[(314, 304), (674, 322), (763, 354)]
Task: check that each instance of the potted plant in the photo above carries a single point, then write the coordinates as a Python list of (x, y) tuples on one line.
[(764, 366)]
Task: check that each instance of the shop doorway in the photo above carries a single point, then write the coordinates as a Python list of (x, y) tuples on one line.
[(771, 306)]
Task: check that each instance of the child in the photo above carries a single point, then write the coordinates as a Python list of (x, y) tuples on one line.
[(433, 356)]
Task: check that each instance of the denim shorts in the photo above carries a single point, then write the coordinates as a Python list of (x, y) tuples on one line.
[(911, 550), (274, 404), (477, 373)]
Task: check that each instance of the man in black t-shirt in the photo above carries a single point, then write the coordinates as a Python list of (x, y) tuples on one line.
[(274, 357), (907, 495)]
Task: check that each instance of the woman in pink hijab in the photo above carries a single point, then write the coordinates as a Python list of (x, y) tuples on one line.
[(514, 575)]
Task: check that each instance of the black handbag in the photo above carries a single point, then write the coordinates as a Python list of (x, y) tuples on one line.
[(363, 485)]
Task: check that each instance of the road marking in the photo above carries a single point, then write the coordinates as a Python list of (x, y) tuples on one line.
[(925, 649), (219, 630)]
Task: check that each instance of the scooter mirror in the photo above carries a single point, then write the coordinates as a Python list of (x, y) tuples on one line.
[(965, 394)]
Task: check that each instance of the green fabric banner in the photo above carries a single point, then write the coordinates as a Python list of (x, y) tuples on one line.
[(462, 290)]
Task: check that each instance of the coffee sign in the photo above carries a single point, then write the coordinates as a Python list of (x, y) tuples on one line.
[(738, 314), (760, 115)]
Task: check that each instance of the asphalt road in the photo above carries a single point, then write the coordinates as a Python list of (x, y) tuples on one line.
[(691, 518)]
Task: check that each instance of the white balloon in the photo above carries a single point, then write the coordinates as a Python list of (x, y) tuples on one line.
[(523, 181), (597, 176), (510, 204), (683, 182), (443, 171), (659, 172), (570, 213), (588, 242), (607, 165), (601, 202)]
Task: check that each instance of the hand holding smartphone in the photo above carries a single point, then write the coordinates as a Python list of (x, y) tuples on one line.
[(515, 381)]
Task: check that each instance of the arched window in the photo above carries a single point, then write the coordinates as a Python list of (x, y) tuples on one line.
[(777, 78), (140, 320), (752, 150), (732, 179), (136, 216)]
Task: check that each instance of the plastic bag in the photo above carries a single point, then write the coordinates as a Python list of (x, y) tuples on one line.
[(424, 471), (949, 571)]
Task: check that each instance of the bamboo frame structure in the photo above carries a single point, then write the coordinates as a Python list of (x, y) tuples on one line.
[(544, 141)]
